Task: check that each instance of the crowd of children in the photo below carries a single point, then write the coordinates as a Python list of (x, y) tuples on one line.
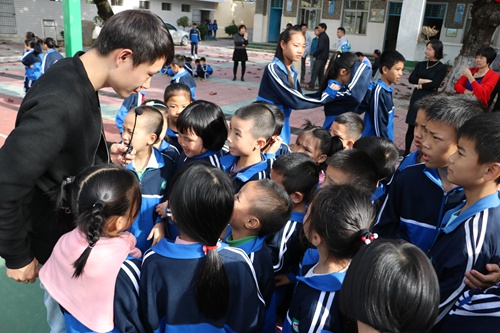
[(217, 226)]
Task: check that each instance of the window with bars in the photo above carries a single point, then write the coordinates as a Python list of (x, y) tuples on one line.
[(116, 2), (166, 6), (276, 3), (310, 13), (186, 8), (355, 18)]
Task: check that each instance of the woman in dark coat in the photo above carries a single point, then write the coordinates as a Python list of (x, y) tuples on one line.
[(240, 51)]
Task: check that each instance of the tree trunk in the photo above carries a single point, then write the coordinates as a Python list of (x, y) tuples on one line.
[(485, 20), (104, 9)]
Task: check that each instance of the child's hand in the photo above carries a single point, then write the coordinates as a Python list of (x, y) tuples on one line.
[(161, 209), (474, 279), (335, 86), (274, 146), (157, 233), (281, 280)]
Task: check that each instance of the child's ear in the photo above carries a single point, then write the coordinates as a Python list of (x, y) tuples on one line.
[(297, 197), (385, 70), (493, 172), (152, 139), (253, 223), (316, 239), (321, 159), (116, 225), (261, 143), (350, 144)]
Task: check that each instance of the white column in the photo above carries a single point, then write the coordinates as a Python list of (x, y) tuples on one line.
[(412, 16)]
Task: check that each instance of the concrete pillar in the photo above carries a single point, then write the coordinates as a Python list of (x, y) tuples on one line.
[(412, 16), (72, 12)]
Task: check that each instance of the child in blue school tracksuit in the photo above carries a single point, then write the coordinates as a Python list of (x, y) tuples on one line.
[(181, 75), (32, 60), (337, 225), (378, 103), (51, 56), (180, 289), (280, 82), (195, 38), (203, 70), (468, 234), (250, 224)]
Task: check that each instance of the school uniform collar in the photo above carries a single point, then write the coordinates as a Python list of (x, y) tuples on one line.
[(180, 74), (385, 86), (155, 161), (297, 216), (379, 191), (205, 154), (252, 245), (410, 159), (282, 66), (172, 250), (490, 201), (228, 160), (171, 133), (327, 282), (433, 175)]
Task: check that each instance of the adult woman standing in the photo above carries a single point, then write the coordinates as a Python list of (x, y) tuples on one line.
[(52, 55), (240, 51), (479, 81), (427, 77)]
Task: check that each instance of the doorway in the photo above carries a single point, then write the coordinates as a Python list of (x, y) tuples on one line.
[(274, 20), (392, 28)]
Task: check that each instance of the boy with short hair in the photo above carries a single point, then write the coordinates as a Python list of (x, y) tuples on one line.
[(261, 208), (142, 129), (250, 128), (188, 66), (426, 185), (181, 75), (344, 45), (195, 37), (275, 142), (468, 234), (378, 103), (348, 127), (203, 70)]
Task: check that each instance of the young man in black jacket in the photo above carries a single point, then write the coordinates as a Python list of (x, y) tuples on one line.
[(321, 56)]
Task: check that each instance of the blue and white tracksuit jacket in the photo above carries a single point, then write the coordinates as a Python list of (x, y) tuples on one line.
[(204, 71), (415, 205), (315, 303), (154, 184), (469, 241), (379, 108), (50, 58), (261, 170), (186, 78), (168, 300), (275, 89)]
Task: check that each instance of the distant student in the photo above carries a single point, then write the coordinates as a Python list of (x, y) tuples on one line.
[(337, 224), (196, 63), (195, 38), (275, 142), (142, 129), (468, 234), (376, 63), (177, 97), (363, 59), (378, 103), (261, 208), (195, 283), (32, 61), (188, 66), (378, 270), (87, 273), (203, 70), (51, 55), (250, 128), (181, 75), (427, 184), (344, 45), (348, 127)]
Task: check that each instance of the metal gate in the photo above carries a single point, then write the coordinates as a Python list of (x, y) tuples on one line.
[(7, 18)]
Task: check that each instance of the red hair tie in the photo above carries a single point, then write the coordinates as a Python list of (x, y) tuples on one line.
[(368, 239), (207, 248)]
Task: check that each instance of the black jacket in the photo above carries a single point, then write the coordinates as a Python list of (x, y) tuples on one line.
[(323, 50), (58, 133)]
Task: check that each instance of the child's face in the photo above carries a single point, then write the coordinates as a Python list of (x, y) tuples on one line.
[(309, 144), (295, 47), (240, 138), (202, 62), (463, 168), (335, 176), (176, 104), (243, 205), (439, 143), (142, 139), (191, 143), (340, 130), (394, 74), (127, 79), (340, 33), (418, 133)]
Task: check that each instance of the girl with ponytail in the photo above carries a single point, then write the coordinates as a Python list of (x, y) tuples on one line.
[(86, 272), (197, 284), (337, 224)]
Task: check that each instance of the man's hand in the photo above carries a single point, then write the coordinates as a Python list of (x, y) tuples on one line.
[(475, 280), (26, 274), (117, 152)]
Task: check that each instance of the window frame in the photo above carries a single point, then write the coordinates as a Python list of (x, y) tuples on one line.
[(317, 8), (186, 6), (168, 5), (358, 16)]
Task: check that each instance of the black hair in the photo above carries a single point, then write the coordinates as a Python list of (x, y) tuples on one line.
[(178, 60), (50, 42), (341, 29), (153, 119), (303, 25), (263, 122), (274, 207), (323, 25), (353, 122), (389, 58), (188, 59), (140, 31), (175, 89), (98, 194), (241, 26), (483, 131), (377, 52), (194, 23), (207, 121), (338, 61), (383, 152), (359, 165), (342, 215), (359, 54), (425, 102), (488, 52), (454, 110), (299, 173), (328, 145), (203, 59), (288, 25), (279, 117), (375, 274), (437, 46), (197, 61), (285, 37), (202, 210), (34, 46)]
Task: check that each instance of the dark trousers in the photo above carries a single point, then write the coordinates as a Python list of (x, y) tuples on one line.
[(302, 69), (495, 92), (318, 72), (194, 46)]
